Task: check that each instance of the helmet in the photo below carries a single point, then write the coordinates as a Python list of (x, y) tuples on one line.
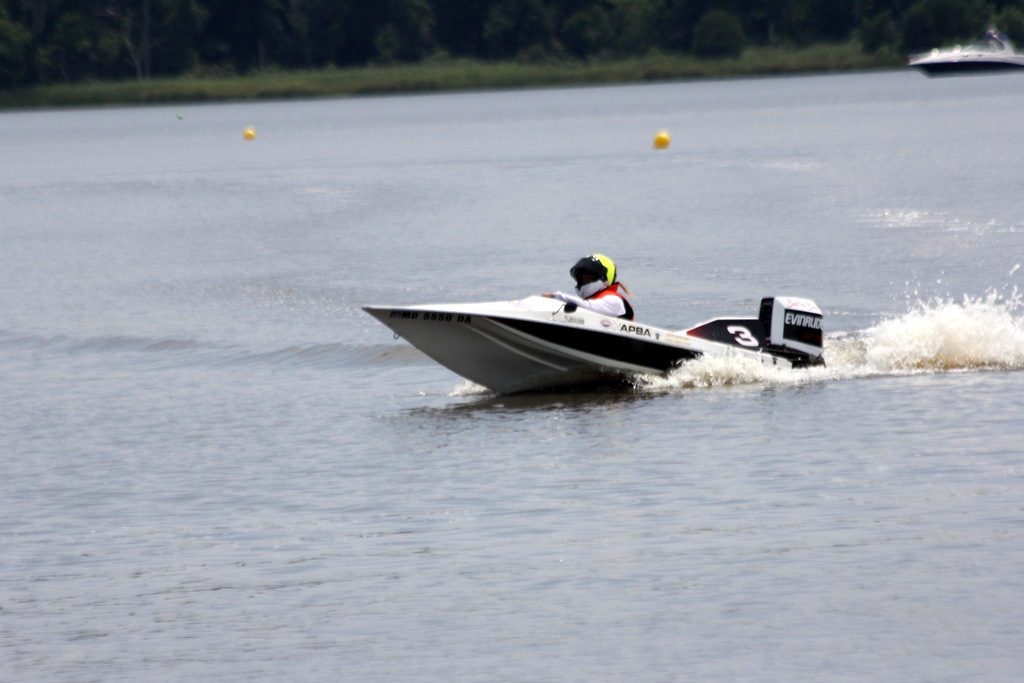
[(600, 266)]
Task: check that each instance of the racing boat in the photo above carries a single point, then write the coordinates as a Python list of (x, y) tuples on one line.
[(540, 343), (993, 52)]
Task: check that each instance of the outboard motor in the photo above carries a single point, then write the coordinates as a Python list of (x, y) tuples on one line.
[(794, 324)]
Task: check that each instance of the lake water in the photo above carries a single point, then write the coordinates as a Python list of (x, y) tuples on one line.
[(215, 466)]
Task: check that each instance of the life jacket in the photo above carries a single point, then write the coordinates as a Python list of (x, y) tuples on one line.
[(614, 290)]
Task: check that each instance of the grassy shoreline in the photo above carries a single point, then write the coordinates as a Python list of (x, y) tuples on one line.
[(445, 75)]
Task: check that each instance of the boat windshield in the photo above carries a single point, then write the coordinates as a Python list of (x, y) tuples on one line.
[(993, 41)]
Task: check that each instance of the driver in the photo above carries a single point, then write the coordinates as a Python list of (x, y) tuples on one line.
[(597, 288)]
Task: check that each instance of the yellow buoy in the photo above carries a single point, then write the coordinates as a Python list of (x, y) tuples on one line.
[(662, 140), (249, 134)]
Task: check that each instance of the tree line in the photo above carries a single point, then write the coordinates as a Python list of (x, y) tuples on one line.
[(44, 41)]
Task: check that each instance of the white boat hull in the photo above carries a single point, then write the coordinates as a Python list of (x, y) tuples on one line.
[(994, 53), (947, 65), (539, 343)]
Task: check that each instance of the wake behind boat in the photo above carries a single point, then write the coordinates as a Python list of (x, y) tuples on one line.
[(540, 343), (993, 53)]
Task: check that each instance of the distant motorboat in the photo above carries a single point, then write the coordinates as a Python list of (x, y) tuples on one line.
[(993, 53)]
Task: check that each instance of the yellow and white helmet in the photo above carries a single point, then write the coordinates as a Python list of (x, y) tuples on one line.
[(598, 265)]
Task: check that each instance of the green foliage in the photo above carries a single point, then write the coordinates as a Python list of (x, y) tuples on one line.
[(84, 46), (807, 21), (43, 41), (408, 34), (637, 21), (879, 32), (831, 20), (449, 74), (718, 34), (173, 49), (512, 26), (933, 23), (589, 31), (460, 26), (15, 43), (1011, 22)]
